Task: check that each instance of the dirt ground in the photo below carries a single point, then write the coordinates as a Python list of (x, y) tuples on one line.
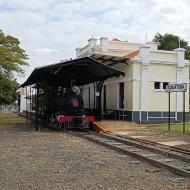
[(57, 160)]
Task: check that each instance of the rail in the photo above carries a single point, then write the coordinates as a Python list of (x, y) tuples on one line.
[(178, 162)]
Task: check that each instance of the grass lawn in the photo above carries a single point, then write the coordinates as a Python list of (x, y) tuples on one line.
[(173, 128), (10, 118)]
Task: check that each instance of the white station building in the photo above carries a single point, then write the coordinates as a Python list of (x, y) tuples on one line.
[(141, 95)]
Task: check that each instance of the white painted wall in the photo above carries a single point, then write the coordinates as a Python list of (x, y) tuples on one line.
[(22, 103), (149, 66)]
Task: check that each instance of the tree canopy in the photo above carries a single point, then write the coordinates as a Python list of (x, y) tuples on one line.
[(12, 59), (171, 42), (8, 90)]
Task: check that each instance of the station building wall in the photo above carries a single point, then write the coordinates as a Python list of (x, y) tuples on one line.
[(143, 103), (157, 98), (111, 96)]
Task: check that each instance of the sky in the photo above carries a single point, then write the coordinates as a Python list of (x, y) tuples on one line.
[(51, 30)]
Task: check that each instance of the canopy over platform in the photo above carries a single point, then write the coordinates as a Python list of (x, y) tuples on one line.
[(110, 60), (82, 71)]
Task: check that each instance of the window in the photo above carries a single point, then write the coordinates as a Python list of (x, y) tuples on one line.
[(165, 84), (156, 85), (121, 95)]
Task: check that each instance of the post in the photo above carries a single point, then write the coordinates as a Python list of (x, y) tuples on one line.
[(94, 96), (33, 100), (37, 92), (30, 105), (26, 106), (184, 112), (168, 111), (177, 88), (94, 110), (99, 87)]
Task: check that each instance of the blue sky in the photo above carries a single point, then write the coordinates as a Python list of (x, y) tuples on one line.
[(50, 30)]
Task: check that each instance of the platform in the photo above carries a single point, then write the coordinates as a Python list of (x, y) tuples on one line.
[(143, 132), (112, 125)]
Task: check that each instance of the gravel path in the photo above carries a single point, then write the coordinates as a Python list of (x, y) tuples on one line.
[(57, 160)]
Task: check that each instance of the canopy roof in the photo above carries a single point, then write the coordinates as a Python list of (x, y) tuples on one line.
[(110, 60), (83, 71)]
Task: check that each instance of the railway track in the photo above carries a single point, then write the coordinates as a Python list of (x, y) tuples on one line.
[(176, 149), (176, 161)]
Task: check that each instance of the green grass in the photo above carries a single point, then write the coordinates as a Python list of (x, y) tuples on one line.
[(173, 128), (10, 118)]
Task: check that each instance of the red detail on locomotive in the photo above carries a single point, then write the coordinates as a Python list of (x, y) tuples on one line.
[(88, 118), (64, 118), (69, 118), (61, 118)]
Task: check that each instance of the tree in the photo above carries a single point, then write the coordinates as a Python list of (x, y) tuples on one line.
[(12, 58), (171, 42), (8, 90)]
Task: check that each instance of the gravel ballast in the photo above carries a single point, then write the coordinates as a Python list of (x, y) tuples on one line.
[(58, 160)]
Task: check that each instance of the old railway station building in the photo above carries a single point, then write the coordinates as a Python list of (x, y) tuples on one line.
[(141, 95)]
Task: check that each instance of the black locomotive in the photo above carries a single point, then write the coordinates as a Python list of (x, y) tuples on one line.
[(64, 108)]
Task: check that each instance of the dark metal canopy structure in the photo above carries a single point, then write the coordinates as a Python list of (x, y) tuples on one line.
[(110, 60), (83, 71)]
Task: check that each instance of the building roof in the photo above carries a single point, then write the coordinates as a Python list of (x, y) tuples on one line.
[(132, 54), (83, 71), (116, 39), (109, 60)]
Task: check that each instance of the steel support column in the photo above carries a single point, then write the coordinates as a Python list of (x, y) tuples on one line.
[(37, 102), (99, 100)]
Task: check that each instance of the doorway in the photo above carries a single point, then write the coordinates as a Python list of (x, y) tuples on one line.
[(121, 95)]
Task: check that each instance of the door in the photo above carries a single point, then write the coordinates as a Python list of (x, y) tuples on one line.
[(121, 95)]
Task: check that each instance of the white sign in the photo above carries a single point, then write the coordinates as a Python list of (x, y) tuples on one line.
[(177, 87), (97, 94)]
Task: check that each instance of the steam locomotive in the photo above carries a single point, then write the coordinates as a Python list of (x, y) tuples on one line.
[(66, 109)]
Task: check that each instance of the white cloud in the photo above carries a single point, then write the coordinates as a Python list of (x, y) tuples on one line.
[(50, 30), (27, 5), (45, 50)]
